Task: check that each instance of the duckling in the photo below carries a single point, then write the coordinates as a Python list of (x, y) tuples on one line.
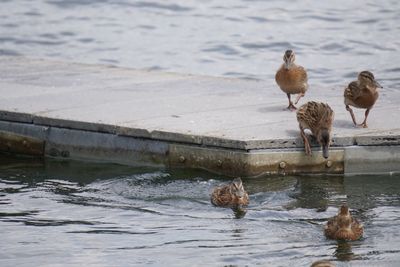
[(318, 117), (291, 78), (361, 94), (343, 226), (230, 195)]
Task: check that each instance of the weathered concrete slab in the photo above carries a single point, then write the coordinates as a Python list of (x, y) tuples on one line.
[(368, 159), (20, 144), (241, 116), (255, 163)]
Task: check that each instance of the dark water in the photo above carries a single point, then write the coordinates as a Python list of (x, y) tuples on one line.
[(237, 38), (85, 214)]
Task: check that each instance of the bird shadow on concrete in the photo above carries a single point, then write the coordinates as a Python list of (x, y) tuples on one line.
[(276, 108), (294, 133), (345, 124)]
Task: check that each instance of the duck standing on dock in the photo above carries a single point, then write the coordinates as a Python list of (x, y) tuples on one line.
[(291, 78), (230, 195), (317, 117), (343, 226), (361, 94)]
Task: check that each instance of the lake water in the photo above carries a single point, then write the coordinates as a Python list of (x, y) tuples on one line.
[(85, 214), (334, 40), (56, 213)]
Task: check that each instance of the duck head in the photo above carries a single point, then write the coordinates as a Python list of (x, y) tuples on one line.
[(344, 210), (324, 139), (288, 59), (237, 188), (367, 78), (344, 217)]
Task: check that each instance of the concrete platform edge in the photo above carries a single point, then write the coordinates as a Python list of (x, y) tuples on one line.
[(111, 147)]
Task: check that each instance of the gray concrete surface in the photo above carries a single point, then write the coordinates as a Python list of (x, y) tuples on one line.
[(102, 107)]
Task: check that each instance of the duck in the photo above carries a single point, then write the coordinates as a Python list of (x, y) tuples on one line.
[(361, 94), (230, 195), (343, 226), (322, 263), (318, 118), (292, 78)]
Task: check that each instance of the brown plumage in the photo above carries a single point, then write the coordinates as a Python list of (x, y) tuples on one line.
[(318, 118), (291, 78), (323, 263), (343, 226), (230, 195), (361, 94)]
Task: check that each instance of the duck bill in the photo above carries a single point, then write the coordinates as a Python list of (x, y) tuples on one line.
[(325, 151), (378, 85), (240, 194)]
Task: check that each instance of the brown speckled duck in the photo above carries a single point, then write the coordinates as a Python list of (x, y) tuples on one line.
[(361, 94), (230, 195), (317, 117), (343, 226), (291, 78)]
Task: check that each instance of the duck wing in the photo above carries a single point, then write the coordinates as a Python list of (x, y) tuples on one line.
[(313, 115), (352, 91), (357, 228), (221, 196), (331, 227)]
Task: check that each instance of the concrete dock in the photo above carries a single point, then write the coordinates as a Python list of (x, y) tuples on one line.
[(230, 126)]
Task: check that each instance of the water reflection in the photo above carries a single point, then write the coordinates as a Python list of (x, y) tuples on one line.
[(239, 212), (344, 252), (168, 212), (316, 192)]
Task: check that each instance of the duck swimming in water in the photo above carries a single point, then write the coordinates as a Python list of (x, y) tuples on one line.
[(323, 263), (230, 195), (343, 226)]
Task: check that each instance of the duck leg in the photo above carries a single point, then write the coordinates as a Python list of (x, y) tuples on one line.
[(364, 123), (298, 97), (291, 106), (348, 108), (307, 147)]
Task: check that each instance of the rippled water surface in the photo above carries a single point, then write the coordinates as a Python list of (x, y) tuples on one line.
[(84, 214), (238, 38)]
